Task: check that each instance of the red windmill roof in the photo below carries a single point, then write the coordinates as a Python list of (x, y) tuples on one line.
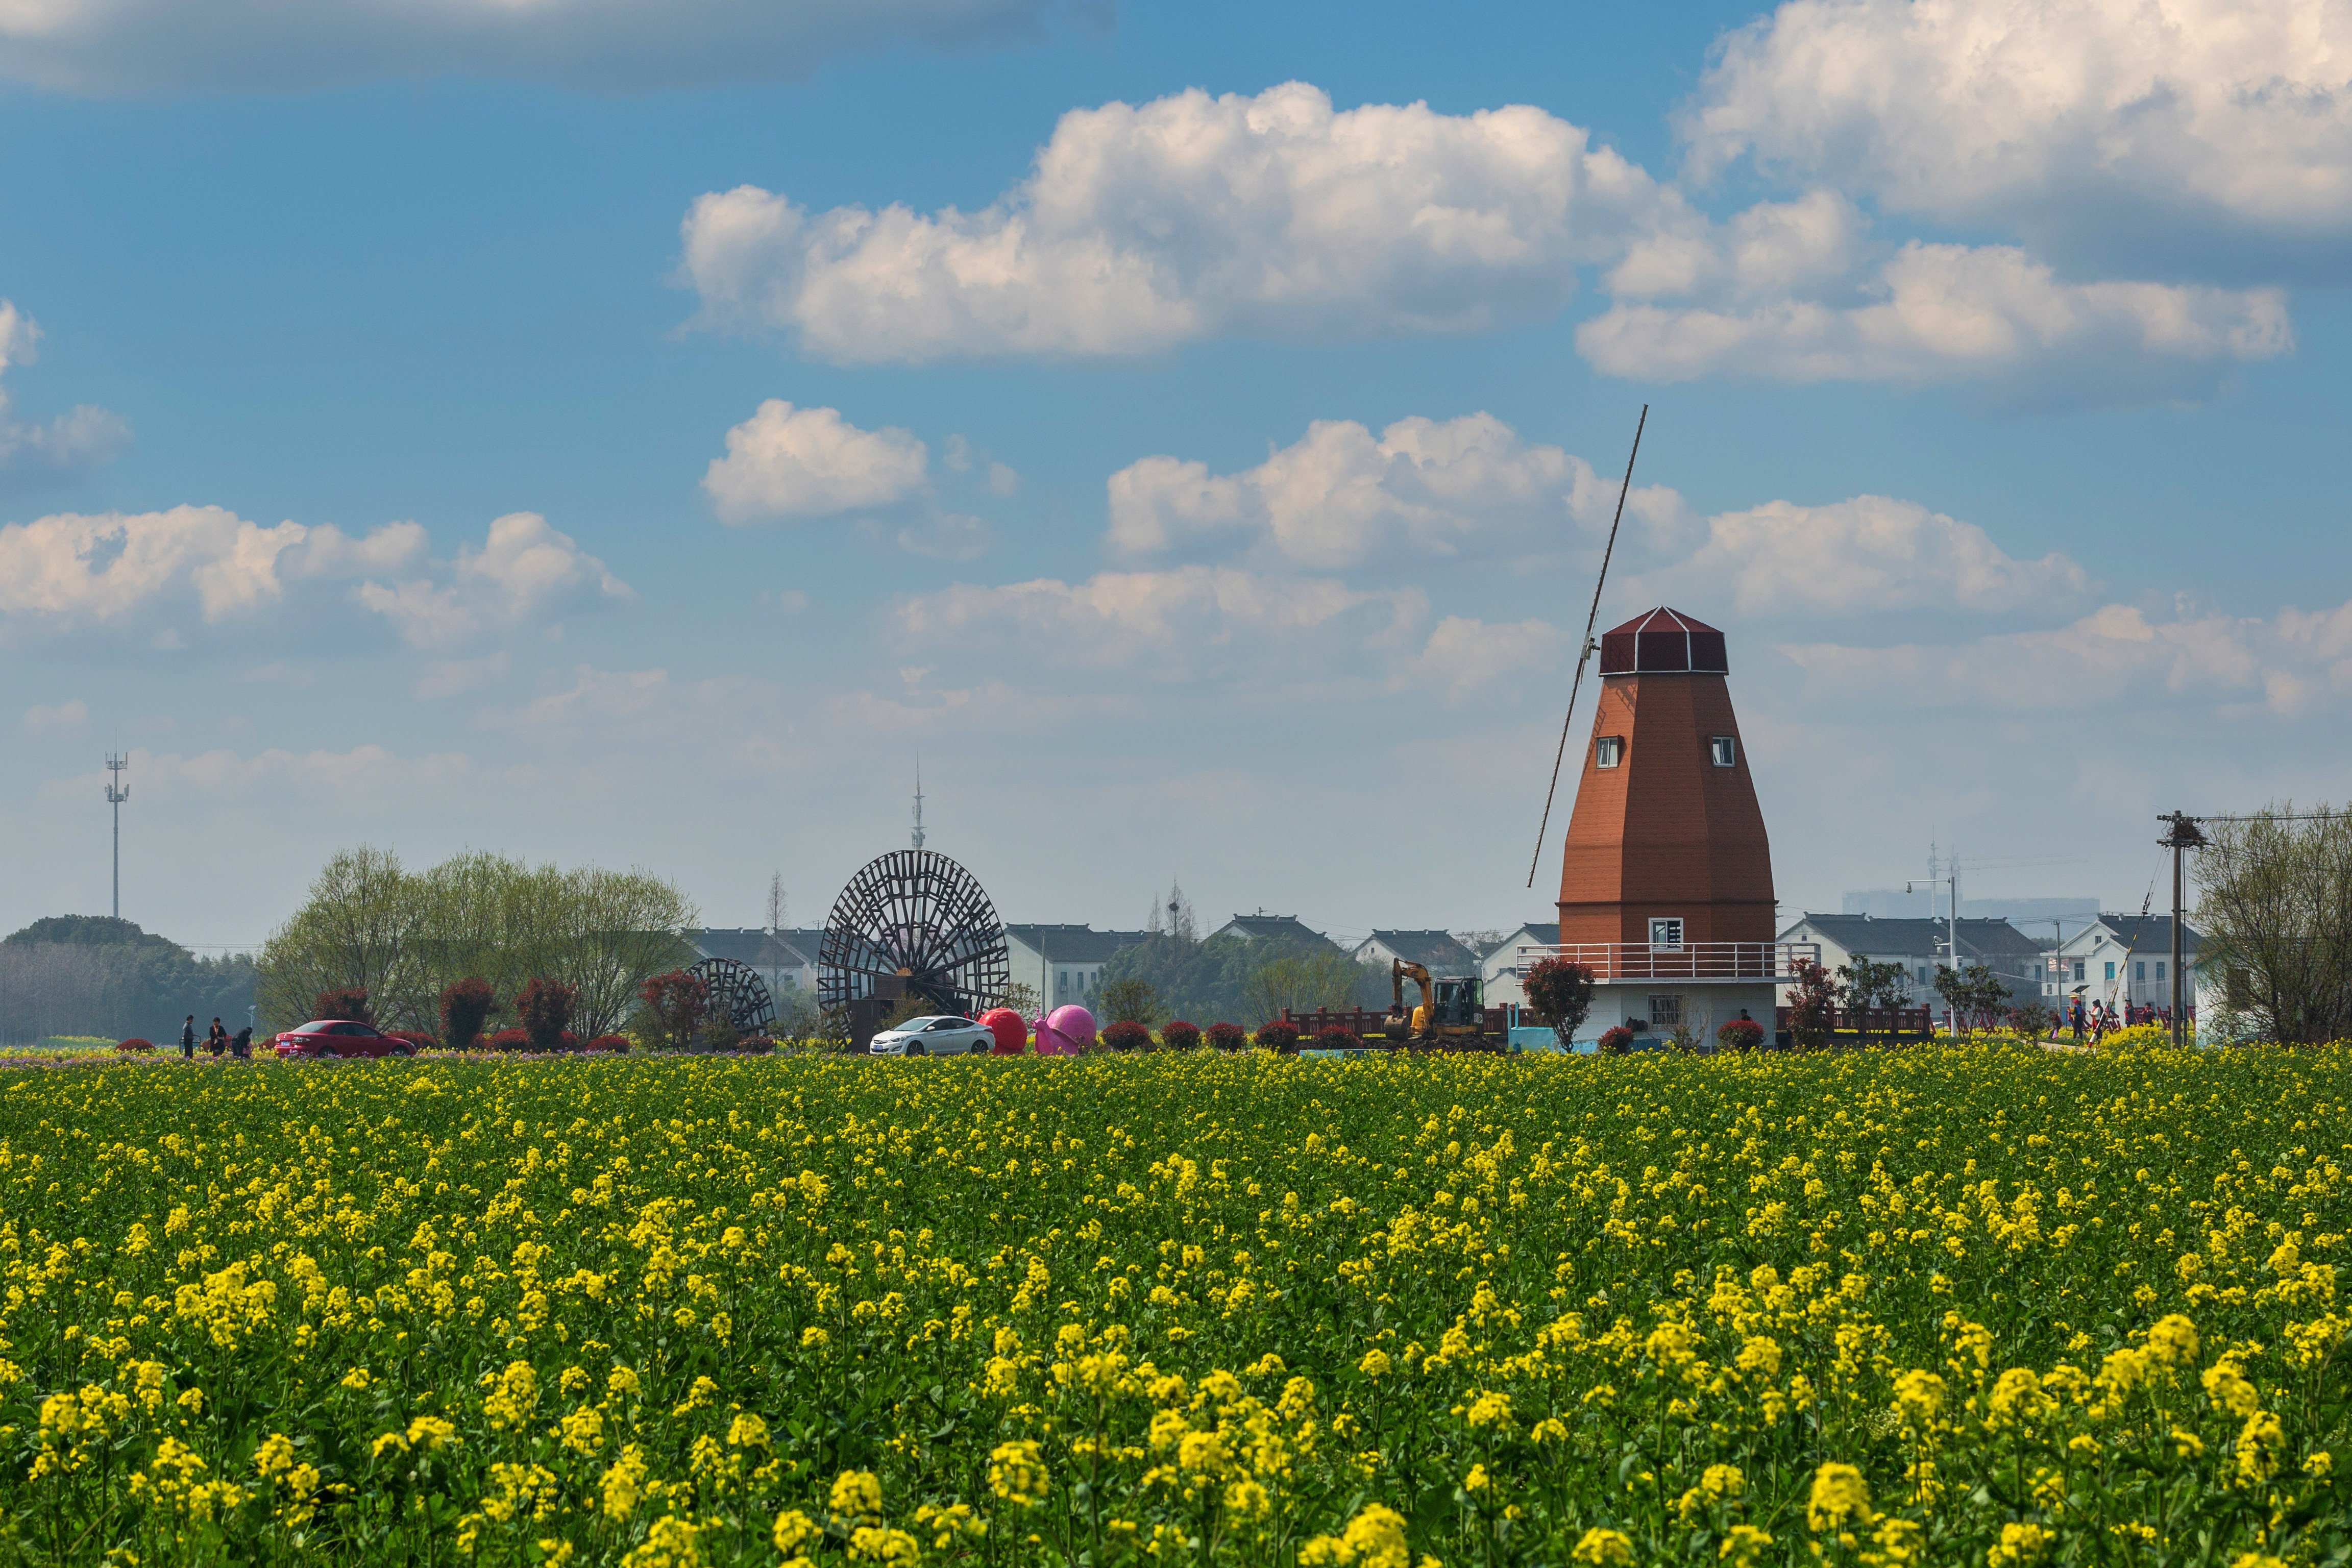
[(1663, 642)]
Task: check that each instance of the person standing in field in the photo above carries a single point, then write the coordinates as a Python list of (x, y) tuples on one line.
[(188, 1039), (216, 1039)]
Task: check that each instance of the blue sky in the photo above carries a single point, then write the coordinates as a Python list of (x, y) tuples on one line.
[(1207, 487)]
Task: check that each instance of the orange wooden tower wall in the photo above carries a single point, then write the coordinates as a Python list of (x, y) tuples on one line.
[(1667, 831)]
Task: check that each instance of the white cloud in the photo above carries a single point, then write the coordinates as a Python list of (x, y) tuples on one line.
[(1141, 227), (71, 714), (787, 464), (1222, 628), (1951, 312), (948, 536), (108, 567), (451, 676), (1865, 555), (2111, 125), (523, 570), (595, 696), (1465, 656), (1340, 498), (370, 776), (2117, 659), (71, 569), (143, 46), (1176, 625), (67, 446)]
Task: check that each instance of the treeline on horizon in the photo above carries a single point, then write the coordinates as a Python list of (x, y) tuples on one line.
[(96, 974)]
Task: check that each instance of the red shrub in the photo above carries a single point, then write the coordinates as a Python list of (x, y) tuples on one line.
[(509, 1040), (543, 1008), (609, 1043), (1335, 1038), (1228, 1037), (346, 1002), (1180, 1036), (135, 1046), (1127, 1036), (678, 1001), (1620, 1039), (1278, 1037), (1739, 1034), (465, 1007)]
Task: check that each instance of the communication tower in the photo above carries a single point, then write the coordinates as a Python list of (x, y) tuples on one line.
[(117, 792)]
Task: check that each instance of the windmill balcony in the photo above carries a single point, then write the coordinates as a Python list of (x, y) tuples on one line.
[(1695, 963)]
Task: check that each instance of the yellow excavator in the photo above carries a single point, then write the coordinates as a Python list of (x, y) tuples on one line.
[(1449, 1009)]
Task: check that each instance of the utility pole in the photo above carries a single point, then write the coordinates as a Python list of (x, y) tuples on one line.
[(117, 792), (2183, 834), (1950, 879)]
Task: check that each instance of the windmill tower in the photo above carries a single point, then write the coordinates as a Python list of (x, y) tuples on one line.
[(1665, 882)]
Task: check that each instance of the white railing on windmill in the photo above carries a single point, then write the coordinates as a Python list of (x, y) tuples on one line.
[(1698, 962)]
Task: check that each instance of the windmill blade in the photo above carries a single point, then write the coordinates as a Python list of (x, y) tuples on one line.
[(1591, 618)]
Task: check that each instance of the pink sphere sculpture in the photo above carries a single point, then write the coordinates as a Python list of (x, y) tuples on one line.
[(1012, 1031), (1065, 1031)]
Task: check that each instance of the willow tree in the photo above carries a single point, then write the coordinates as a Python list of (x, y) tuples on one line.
[(2274, 902), (408, 936)]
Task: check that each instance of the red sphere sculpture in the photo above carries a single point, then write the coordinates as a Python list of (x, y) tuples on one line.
[(1012, 1031)]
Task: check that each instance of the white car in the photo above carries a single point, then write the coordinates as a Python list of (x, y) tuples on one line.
[(947, 1036)]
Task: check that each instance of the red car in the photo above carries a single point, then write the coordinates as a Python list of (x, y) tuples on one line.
[(340, 1037)]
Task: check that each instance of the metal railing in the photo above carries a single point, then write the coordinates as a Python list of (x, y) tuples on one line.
[(1697, 962)]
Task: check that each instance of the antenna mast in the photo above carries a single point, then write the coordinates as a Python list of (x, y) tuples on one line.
[(117, 792), (919, 803), (1592, 616)]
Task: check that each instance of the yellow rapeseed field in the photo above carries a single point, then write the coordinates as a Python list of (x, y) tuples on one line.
[(1986, 1306)]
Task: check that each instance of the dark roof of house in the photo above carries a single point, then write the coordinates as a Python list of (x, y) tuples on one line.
[(2150, 933), (1073, 943), (1261, 924), (1546, 933), (1982, 936), (787, 948), (1664, 642), (1432, 950)]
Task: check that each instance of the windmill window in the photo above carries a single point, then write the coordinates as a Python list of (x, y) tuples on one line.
[(2139, 971), (1609, 750), (1724, 749), (1665, 1011), (2159, 968), (1666, 932)]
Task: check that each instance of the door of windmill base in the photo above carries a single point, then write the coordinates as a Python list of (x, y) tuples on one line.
[(865, 1020)]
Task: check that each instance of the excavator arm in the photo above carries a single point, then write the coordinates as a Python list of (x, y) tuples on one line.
[(1400, 970)]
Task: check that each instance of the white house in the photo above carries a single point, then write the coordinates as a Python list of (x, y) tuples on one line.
[(786, 958), (1063, 962), (1262, 926), (1434, 951), (2124, 961), (1921, 946), (1501, 972)]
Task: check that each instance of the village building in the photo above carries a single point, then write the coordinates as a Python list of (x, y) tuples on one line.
[(2125, 960), (1064, 962), (1922, 947), (1436, 950), (1503, 964)]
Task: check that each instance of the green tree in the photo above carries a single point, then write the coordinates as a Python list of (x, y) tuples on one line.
[(1559, 992), (407, 937), (1975, 993), (1866, 983), (2274, 905), (1131, 1001)]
